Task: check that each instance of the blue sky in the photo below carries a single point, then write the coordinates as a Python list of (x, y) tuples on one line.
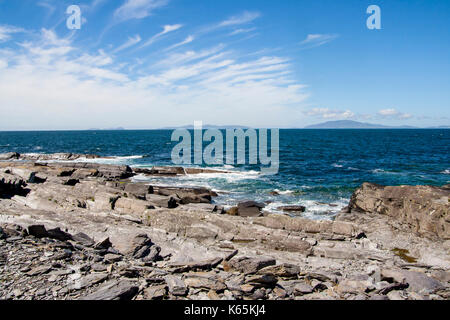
[(156, 63)]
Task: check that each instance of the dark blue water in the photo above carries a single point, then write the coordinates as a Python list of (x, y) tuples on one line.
[(318, 168)]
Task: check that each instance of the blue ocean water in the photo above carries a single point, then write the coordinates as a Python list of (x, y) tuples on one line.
[(318, 168)]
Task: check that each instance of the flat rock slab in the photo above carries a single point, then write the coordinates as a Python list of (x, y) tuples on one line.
[(249, 265), (114, 290), (89, 280)]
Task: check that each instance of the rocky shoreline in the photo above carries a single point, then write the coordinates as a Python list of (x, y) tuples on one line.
[(79, 230)]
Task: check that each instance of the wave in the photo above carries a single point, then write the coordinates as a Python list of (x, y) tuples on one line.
[(109, 160), (447, 171), (315, 210), (335, 165), (283, 192)]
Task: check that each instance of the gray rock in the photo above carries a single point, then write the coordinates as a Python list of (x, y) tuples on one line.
[(89, 280), (421, 283), (84, 239), (114, 290), (283, 270), (176, 285), (9, 156), (162, 201), (302, 288), (103, 244), (292, 208), (250, 209), (39, 270), (37, 231), (58, 234), (156, 292), (249, 265)]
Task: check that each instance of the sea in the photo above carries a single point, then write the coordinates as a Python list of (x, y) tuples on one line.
[(318, 169)]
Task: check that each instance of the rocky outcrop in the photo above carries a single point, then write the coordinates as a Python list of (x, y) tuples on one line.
[(105, 236), (426, 209)]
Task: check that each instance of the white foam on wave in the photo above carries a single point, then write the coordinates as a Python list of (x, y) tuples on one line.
[(335, 165), (229, 176), (284, 192), (447, 171), (108, 160), (314, 210)]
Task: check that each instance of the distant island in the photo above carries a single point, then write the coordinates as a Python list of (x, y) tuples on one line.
[(350, 124)]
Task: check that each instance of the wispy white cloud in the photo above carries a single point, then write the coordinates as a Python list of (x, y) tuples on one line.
[(189, 39), (6, 32), (138, 9), (326, 113), (129, 43), (166, 29), (242, 18), (394, 114), (48, 6), (316, 40), (240, 31), (52, 83)]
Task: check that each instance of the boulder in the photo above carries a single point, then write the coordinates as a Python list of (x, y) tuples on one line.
[(176, 285), (9, 156), (37, 231), (11, 185), (162, 201), (425, 208), (250, 209), (138, 190), (83, 239)]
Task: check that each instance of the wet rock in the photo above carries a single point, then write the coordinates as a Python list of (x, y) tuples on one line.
[(250, 209), (292, 208), (114, 290)]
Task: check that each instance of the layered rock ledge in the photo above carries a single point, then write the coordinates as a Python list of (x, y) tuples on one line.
[(76, 230)]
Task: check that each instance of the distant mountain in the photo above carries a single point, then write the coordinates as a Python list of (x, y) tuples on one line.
[(106, 129), (350, 124), (439, 127)]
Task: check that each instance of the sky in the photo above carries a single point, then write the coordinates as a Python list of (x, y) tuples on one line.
[(142, 64)]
